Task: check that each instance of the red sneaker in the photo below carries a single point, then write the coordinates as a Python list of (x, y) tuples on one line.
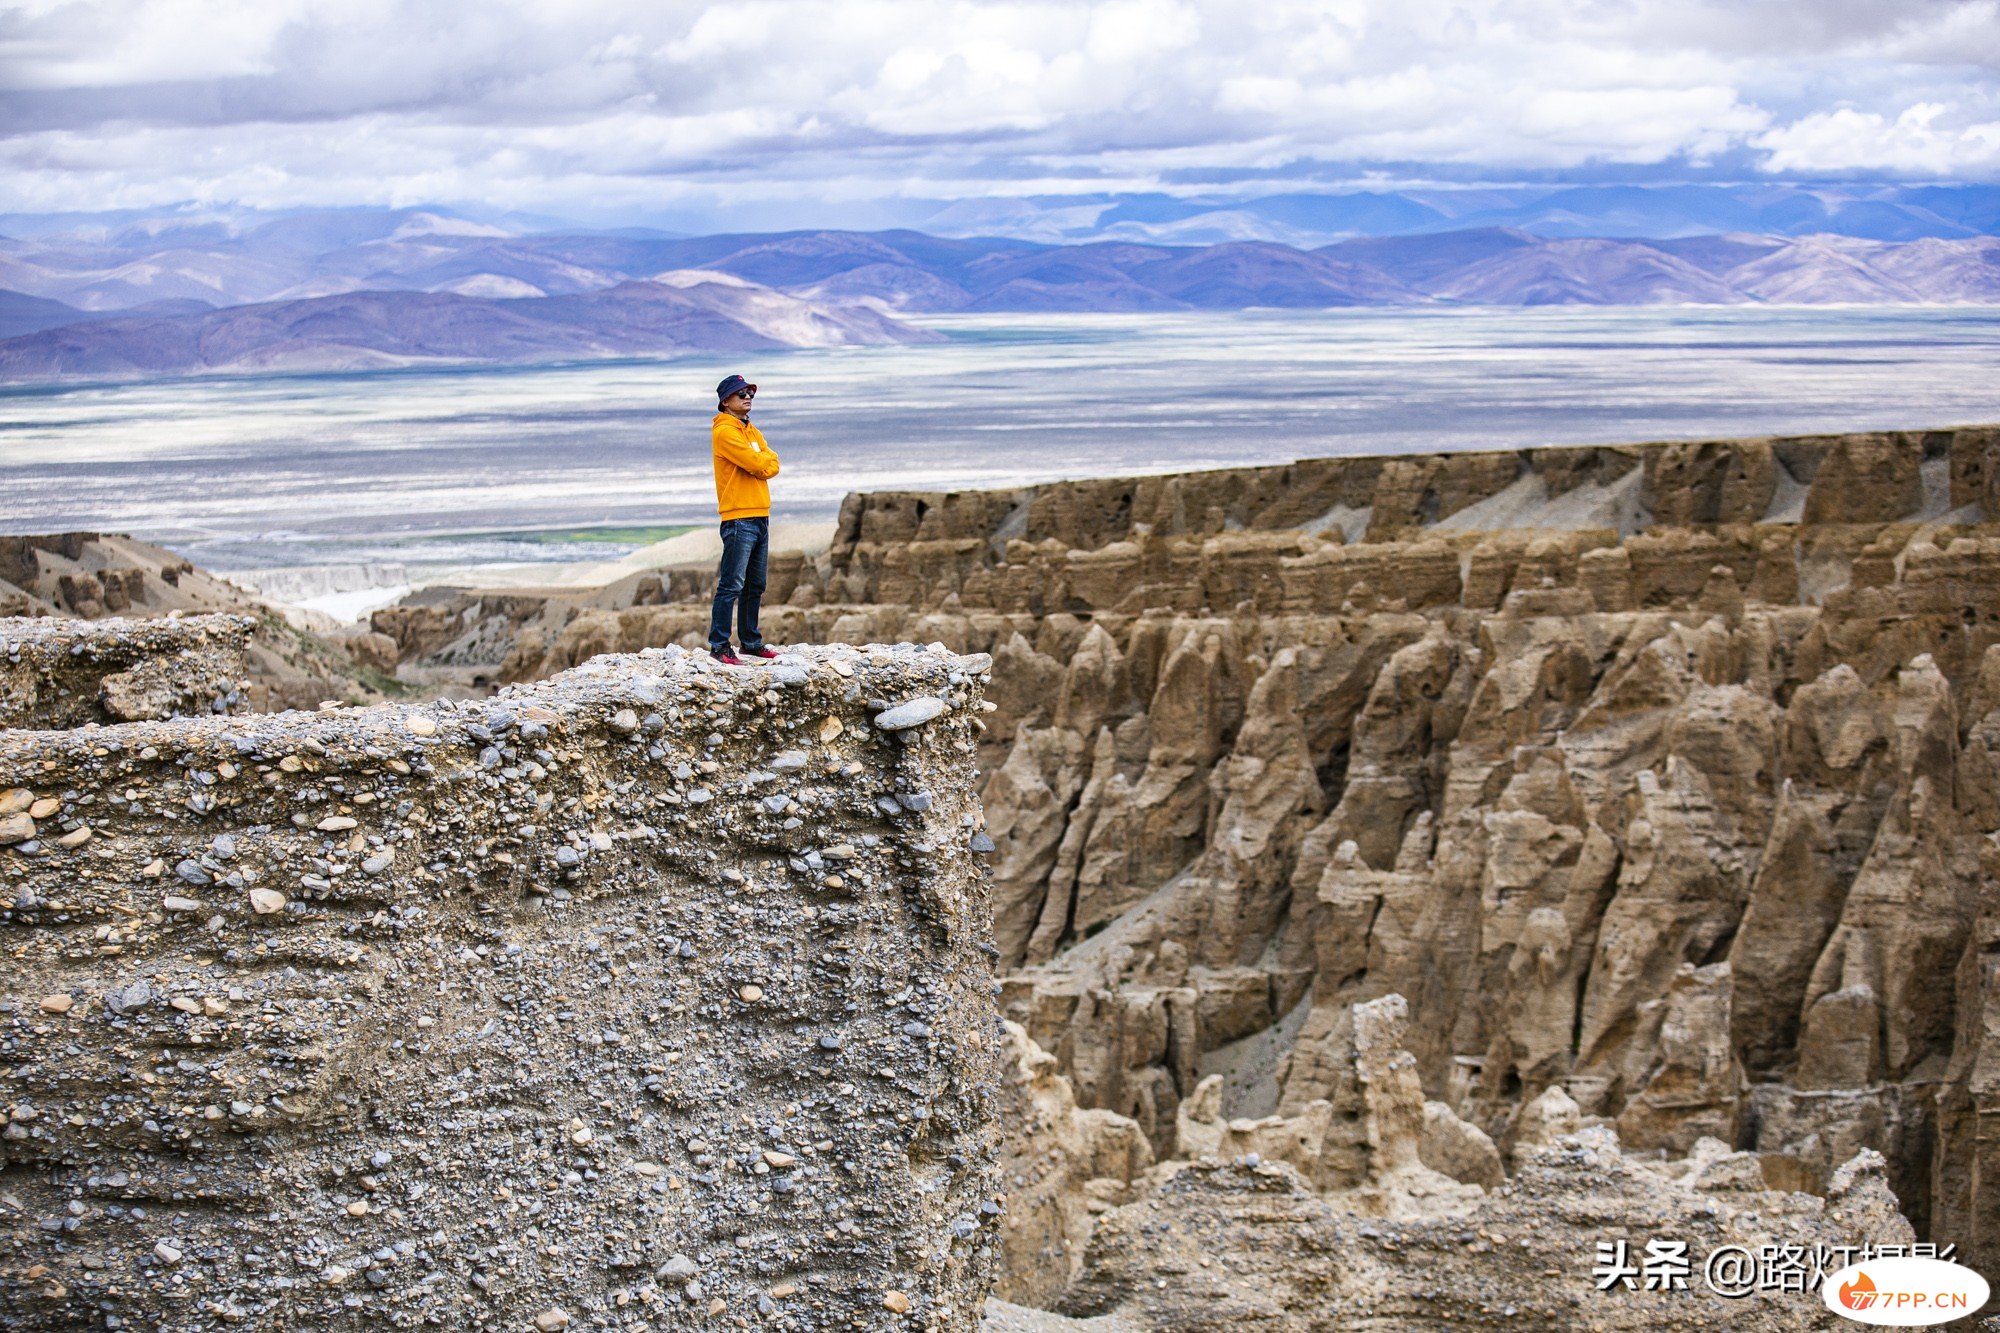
[(761, 650), (727, 658)]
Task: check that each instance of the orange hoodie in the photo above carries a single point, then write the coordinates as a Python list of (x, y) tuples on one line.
[(744, 461)]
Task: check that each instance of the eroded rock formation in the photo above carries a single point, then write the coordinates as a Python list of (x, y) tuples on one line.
[(1660, 776), (651, 994), (1379, 1209), (286, 662), (1062, 1165), (1245, 1243), (1689, 819)]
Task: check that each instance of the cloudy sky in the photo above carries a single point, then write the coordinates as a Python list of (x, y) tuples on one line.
[(655, 110)]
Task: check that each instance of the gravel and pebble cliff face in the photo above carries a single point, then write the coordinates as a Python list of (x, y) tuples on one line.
[(60, 672), (653, 995)]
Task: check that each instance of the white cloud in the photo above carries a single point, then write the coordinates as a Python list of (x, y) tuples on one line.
[(580, 103), (170, 39), (1126, 30), (1921, 140)]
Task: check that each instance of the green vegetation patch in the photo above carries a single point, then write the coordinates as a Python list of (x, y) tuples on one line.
[(573, 536)]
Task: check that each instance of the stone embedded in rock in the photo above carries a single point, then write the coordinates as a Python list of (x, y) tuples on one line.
[(192, 872), (336, 824), (57, 1004), (625, 721), (914, 713), (15, 799), (419, 725), (172, 903), (128, 999), (45, 808), (551, 1321), (264, 902), (16, 828)]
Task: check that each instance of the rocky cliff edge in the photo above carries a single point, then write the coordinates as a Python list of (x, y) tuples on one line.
[(650, 994)]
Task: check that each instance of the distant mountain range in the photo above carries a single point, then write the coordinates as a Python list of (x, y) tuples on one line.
[(678, 314), (1306, 219), (1866, 210), (21, 314), (350, 289)]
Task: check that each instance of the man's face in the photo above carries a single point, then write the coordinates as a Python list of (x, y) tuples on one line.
[(738, 404)]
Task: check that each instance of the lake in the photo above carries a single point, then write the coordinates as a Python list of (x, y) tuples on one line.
[(580, 461)]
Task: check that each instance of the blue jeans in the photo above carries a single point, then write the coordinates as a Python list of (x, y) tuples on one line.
[(739, 584)]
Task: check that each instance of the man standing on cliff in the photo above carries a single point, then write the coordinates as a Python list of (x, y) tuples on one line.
[(744, 462)]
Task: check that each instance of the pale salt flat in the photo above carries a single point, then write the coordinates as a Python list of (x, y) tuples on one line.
[(441, 469)]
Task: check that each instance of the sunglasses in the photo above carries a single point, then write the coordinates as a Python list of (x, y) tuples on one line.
[(744, 393)]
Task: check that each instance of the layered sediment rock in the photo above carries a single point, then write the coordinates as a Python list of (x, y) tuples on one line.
[(1061, 1166), (1378, 1209), (1656, 774), (649, 994), (1226, 1245)]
